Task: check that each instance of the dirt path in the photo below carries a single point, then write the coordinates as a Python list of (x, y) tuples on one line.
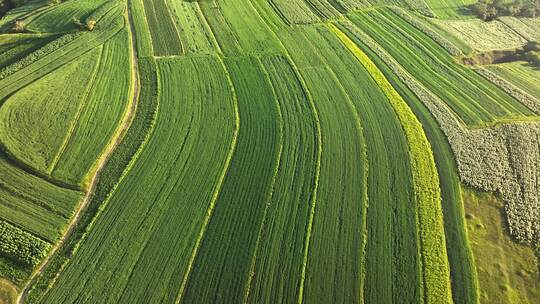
[(128, 118)]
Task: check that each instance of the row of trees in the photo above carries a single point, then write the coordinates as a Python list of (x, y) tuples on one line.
[(491, 9)]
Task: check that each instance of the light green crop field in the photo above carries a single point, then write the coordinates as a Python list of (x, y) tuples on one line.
[(266, 151)]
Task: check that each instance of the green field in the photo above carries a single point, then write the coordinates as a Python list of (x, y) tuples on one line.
[(266, 151)]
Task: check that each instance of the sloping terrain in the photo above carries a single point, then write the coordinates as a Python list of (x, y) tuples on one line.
[(266, 151)]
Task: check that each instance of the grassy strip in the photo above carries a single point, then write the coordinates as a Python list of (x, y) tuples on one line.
[(420, 25), (140, 24), (167, 190), (462, 267), (31, 202), (162, 29), (61, 18), (518, 80), (101, 115), (16, 47), (226, 251), (386, 241), (194, 32), (277, 265), (426, 180), (117, 167), (35, 120), (21, 246), (58, 53), (477, 101)]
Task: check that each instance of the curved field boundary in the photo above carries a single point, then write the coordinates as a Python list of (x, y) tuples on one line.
[(69, 47), (93, 182), (462, 264), (383, 231), (140, 27), (225, 251), (108, 101), (189, 124), (275, 271), (426, 180), (165, 37), (36, 121)]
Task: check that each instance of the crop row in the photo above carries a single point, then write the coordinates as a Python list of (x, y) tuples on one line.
[(192, 26), (436, 272), (120, 163), (60, 18), (463, 272), (449, 9), (140, 27), (58, 53), (519, 78), (40, 207), (474, 99), (238, 36), (422, 26), (165, 39), (21, 246), (151, 222), (498, 159), (100, 115), (528, 28), (294, 12), (222, 264), (35, 121), (16, 47), (389, 266)]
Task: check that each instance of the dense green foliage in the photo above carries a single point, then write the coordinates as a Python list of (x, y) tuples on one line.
[(21, 246)]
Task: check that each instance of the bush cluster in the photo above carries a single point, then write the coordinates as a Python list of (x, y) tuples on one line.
[(503, 159), (491, 9), (21, 246)]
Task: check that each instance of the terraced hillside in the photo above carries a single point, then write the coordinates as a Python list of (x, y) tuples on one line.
[(266, 151)]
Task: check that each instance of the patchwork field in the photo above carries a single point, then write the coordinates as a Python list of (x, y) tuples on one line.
[(266, 151)]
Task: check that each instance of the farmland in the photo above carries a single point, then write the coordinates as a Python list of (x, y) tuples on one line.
[(267, 151)]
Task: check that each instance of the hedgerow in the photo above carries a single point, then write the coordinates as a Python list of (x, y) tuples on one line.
[(21, 246)]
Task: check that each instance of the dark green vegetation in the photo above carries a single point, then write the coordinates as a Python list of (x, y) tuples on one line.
[(260, 151), (491, 9)]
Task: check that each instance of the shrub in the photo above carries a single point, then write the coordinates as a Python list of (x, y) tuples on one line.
[(21, 246), (19, 26), (90, 24)]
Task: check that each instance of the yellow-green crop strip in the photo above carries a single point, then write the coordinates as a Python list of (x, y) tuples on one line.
[(426, 181)]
